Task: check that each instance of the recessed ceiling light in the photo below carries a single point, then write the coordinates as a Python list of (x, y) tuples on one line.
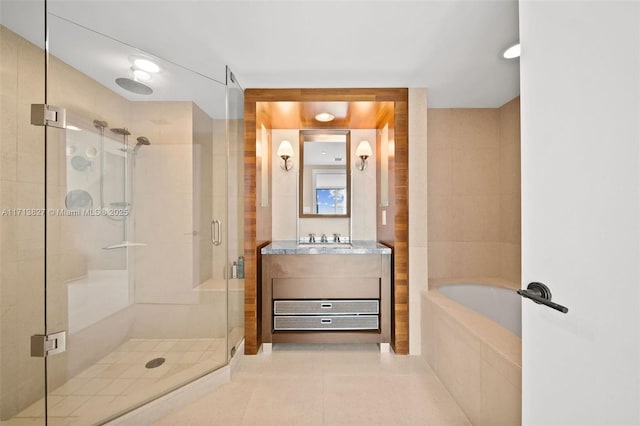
[(74, 128), (512, 52), (146, 65), (325, 117), (141, 75)]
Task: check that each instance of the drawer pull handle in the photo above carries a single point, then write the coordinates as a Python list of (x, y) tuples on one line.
[(326, 305), (325, 320)]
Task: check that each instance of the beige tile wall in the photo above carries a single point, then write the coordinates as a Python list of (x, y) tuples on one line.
[(474, 192), (202, 152), (510, 190), (220, 266), (164, 216), (418, 240), (478, 362)]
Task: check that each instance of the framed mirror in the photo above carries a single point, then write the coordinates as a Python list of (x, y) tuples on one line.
[(325, 184)]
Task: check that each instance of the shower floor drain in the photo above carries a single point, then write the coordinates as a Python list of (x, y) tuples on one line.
[(156, 362)]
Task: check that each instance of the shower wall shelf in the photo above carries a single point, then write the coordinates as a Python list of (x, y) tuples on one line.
[(124, 244)]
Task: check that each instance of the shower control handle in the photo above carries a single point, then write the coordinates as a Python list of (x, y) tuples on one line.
[(216, 232), (541, 294)]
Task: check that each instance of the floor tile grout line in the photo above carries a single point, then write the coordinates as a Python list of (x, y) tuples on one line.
[(94, 372)]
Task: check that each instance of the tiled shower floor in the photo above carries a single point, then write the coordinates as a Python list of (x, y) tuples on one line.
[(120, 380)]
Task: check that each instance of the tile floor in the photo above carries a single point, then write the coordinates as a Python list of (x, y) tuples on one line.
[(120, 380), (325, 385)]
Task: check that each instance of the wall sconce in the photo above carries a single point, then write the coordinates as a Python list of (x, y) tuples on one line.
[(285, 151), (363, 151)]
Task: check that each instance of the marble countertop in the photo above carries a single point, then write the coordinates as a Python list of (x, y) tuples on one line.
[(355, 247)]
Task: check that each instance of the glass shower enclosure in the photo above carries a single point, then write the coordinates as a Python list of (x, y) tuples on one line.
[(121, 220)]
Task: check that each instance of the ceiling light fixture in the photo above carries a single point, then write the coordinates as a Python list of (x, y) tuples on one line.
[(512, 52), (72, 127), (141, 75), (146, 65), (325, 117)]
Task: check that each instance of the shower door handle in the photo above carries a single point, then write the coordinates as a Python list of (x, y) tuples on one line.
[(216, 232), (219, 233)]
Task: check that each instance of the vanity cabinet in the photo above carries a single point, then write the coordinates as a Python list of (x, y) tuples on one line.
[(326, 298)]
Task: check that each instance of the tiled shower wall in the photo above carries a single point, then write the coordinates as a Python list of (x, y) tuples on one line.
[(474, 192), (172, 193)]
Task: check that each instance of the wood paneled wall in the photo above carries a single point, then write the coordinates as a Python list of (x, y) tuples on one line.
[(396, 231), (395, 234), (257, 228)]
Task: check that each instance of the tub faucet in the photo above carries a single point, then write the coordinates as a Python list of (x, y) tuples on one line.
[(324, 239), (312, 238)]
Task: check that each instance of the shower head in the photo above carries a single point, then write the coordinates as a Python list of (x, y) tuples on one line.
[(100, 124), (134, 86), (142, 140), (121, 131)]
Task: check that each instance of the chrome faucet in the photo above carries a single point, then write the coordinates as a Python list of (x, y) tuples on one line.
[(324, 238), (312, 238), (336, 238)]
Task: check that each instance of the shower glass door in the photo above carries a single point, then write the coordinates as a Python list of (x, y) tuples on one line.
[(22, 81), (235, 135), (136, 227)]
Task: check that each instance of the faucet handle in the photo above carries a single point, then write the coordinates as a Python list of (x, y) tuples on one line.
[(312, 237), (336, 237)]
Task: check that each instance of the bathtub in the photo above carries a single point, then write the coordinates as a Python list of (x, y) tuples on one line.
[(471, 339), (499, 304)]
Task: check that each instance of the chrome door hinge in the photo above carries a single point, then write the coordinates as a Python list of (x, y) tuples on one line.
[(48, 115), (44, 345)]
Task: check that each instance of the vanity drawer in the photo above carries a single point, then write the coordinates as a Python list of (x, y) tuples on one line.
[(334, 322), (325, 307), (326, 288)]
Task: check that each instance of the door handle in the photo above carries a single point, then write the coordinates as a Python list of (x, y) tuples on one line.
[(213, 232), (216, 232), (541, 294)]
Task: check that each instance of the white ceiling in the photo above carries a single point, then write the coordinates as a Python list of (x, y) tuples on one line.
[(451, 47)]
